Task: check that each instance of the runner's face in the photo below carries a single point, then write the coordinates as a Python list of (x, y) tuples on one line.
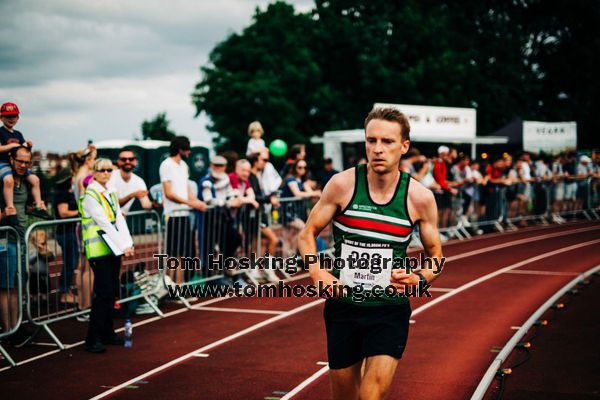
[(384, 146)]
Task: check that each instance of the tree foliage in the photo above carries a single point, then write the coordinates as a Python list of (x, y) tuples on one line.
[(157, 128), (302, 74)]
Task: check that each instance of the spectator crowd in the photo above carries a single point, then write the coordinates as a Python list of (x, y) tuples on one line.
[(505, 188)]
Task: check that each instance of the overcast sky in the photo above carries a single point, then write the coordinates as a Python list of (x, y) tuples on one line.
[(97, 69)]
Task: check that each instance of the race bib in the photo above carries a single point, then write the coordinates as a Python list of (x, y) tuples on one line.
[(366, 266)]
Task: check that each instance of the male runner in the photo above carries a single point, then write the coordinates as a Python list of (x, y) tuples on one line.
[(374, 208)]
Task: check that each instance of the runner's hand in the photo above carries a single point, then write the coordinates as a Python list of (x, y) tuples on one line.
[(400, 278), (128, 252), (324, 279)]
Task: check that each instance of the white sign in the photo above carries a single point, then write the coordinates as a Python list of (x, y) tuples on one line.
[(438, 121), (549, 137)]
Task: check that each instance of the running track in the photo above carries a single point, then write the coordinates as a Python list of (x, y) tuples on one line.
[(264, 348)]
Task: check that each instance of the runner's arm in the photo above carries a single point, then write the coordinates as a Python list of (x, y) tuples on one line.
[(320, 216), (430, 237), (426, 215)]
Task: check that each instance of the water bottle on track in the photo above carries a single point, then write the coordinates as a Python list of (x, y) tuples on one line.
[(128, 333)]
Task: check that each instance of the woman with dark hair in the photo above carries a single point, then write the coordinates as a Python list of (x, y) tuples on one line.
[(296, 185)]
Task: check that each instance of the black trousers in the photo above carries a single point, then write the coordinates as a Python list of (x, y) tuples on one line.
[(106, 289)]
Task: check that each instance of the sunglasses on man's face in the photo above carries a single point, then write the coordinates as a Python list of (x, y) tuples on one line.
[(104, 170), (127, 159)]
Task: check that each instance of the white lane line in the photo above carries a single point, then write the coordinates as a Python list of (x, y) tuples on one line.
[(307, 382), (239, 310), (532, 272), (201, 355), (518, 242), (446, 296), (208, 347), (491, 275), (440, 289)]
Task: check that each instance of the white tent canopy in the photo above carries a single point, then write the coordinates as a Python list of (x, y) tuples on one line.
[(332, 142)]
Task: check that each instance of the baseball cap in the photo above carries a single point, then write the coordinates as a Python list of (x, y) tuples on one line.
[(585, 159), (443, 149), (9, 109), (219, 160)]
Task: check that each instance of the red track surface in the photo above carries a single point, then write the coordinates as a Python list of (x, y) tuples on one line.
[(447, 353), (565, 355)]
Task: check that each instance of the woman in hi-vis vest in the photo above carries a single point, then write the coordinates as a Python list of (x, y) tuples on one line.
[(106, 239)]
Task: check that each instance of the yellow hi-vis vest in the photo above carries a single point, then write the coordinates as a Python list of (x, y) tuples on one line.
[(93, 242)]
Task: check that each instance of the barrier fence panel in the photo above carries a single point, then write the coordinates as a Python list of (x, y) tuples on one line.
[(251, 225), (60, 278), (292, 215), (198, 244), (141, 280), (11, 277), (497, 206)]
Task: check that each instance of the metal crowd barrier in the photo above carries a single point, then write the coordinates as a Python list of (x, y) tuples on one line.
[(197, 238), (56, 262), (291, 218), (141, 279), (11, 296), (542, 201)]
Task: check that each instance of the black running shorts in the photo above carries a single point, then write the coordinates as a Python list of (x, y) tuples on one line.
[(356, 332)]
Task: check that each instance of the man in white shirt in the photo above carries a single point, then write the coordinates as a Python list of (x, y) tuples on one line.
[(269, 178), (128, 185), (178, 200)]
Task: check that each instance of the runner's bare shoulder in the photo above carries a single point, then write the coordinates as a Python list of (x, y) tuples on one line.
[(419, 199), (340, 188)]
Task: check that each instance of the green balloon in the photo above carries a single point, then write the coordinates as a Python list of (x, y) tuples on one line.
[(278, 147)]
